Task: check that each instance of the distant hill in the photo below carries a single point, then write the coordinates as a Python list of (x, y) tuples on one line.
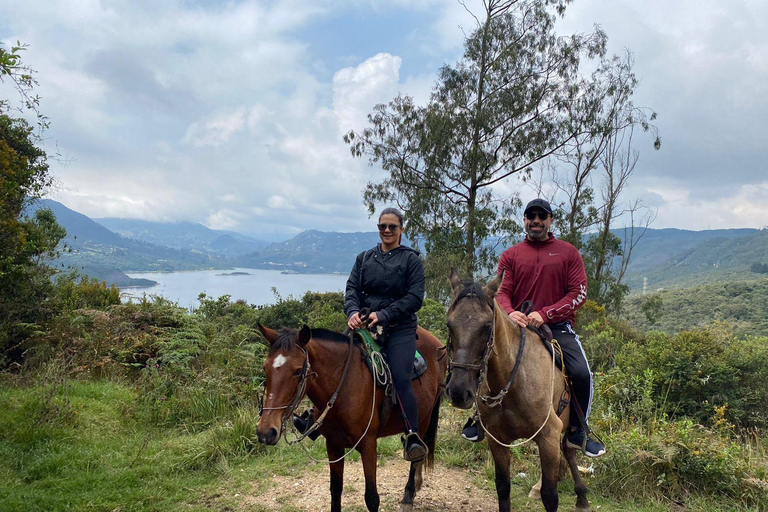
[(743, 304), (184, 235), (312, 252), (106, 255), (675, 258)]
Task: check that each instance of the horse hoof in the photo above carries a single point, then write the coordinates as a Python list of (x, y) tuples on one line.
[(581, 509), (535, 494), (406, 507)]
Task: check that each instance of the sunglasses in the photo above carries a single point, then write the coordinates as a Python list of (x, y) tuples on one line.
[(540, 215), (384, 227)]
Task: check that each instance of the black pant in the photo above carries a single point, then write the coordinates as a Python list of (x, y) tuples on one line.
[(577, 368), (400, 348)]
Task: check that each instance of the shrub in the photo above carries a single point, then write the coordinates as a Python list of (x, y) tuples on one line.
[(696, 371)]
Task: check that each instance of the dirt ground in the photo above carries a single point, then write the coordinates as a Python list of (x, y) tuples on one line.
[(444, 489)]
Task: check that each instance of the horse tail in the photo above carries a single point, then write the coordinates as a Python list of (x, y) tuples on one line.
[(430, 436)]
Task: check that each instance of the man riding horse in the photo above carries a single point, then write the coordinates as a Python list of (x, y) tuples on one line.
[(550, 274)]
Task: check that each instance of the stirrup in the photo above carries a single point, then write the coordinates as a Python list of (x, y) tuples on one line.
[(414, 449)]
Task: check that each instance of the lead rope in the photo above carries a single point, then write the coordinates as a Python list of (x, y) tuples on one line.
[(499, 398), (319, 421)]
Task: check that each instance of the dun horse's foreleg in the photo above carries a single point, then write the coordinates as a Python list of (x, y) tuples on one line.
[(368, 455), (582, 503), (337, 475), (501, 457), (549, 453)]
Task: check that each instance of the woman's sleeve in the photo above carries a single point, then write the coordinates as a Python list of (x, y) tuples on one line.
[(411, 302), (352, 295)]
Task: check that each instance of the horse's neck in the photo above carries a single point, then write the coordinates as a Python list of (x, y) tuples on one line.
[(327, 359), (506, 342)]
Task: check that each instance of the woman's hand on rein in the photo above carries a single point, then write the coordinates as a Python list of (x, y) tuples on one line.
[(356, 322)]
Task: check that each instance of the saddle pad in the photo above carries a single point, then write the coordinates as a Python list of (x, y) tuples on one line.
[(370, 346)]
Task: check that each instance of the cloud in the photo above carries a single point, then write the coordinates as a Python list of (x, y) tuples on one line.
[(217, 130), (357, 89)]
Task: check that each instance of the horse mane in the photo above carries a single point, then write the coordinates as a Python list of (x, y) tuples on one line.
[(473, 289), (329, 335), (285, 338)]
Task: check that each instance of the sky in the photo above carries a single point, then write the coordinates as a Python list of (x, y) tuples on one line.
[(232, 113)]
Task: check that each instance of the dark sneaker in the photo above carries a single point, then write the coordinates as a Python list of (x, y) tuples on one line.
[(473, 431), (414, 448), (303, 422), (591, 448)]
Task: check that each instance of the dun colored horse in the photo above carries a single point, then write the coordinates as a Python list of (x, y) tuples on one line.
[(489, 358), (313, 362)]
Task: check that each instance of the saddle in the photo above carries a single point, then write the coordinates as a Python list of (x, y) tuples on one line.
[(377, 363), (545, 334)]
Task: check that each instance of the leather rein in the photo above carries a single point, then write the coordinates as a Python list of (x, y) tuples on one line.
[(301, 390), (492, 401)]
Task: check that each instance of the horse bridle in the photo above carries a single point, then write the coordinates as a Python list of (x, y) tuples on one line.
[(482, 367), (301, 390)]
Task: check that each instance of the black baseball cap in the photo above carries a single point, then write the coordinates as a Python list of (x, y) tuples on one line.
[(538, 203)]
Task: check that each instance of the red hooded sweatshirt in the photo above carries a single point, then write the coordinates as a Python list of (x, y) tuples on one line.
[(549, 273)]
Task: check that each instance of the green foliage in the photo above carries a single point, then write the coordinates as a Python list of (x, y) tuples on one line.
[(759, 268), (486, 120), (73, 291), (433, 317), (743, 304), (672, 461), (651, 308), (691, 373)]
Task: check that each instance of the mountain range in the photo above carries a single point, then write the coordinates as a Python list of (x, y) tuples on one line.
[(664, 258)]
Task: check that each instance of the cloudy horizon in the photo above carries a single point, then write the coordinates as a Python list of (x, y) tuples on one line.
[(231, 113)]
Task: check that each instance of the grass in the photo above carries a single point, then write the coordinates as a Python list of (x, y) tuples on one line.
[(81, 446)]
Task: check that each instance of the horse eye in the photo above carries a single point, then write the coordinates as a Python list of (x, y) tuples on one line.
[(298, 372)]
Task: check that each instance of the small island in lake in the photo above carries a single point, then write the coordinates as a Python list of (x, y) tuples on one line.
[(235, 274)]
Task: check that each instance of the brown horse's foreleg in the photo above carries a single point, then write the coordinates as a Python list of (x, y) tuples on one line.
[(368, 455), (337, 475), (549, 453), (501, 457), (571, 454), (406, 505)]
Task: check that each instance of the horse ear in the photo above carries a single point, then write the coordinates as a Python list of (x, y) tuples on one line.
[(491, 288), (304, 335), (269, 334), (455, 280)]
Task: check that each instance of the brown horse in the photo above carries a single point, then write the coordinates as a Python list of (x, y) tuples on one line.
[(487, 360), (313, 362)]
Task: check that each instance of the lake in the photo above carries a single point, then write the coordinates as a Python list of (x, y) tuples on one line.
[(253, 286)]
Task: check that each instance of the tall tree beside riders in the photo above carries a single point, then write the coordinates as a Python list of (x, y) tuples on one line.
[(516, 99)]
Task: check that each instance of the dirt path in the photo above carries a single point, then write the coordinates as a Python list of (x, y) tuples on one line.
[(445, 489)]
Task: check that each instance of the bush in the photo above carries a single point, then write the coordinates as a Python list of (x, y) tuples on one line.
[(670, 461), (695, 371)]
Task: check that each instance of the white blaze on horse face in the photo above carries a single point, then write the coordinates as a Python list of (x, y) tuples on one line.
[(279, 361)]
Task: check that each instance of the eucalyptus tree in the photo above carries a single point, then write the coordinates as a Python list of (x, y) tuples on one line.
[(507, 104), (587, 179)]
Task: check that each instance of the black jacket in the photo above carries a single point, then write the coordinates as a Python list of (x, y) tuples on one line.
[(390, 284)]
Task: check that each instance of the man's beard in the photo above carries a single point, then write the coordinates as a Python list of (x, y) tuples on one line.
[(538, 236)]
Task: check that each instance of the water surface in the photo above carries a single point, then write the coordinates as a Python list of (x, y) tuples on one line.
[(253, 285)]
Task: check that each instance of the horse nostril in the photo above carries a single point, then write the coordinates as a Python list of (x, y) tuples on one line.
[(270, 437)]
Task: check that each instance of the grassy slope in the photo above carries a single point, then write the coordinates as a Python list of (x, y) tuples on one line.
[(80, 447)]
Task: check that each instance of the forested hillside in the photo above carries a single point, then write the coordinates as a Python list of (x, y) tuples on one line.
[(742, 304)]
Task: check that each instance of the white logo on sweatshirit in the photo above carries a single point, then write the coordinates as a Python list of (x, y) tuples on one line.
[(554, 254)]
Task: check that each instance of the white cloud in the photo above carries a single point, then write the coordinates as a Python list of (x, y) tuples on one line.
[(357, 89), (217, 130)]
